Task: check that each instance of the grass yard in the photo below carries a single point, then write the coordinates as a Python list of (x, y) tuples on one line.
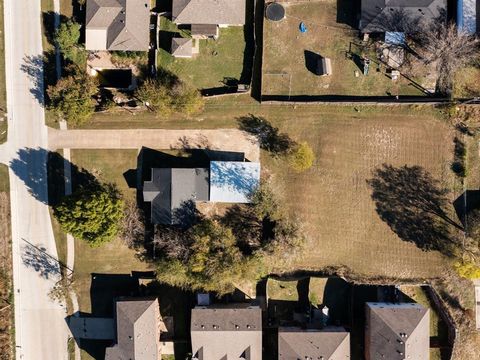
[(3, 90), (467, 83), (333, 198), (218, 60), (286, 55), (114, 258), (7, 329)]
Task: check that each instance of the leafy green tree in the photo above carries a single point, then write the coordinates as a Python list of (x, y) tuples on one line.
[(301, 157), (186, 99), (92, 213), (213, 261), (71, 98), (67, 36), (165, 97)]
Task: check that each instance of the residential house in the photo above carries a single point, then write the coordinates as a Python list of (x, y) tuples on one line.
[(329, 343), (380, 16), (397, 331), (173, 192), (117, 25), (138, 328), (231, 331), (205, 16)]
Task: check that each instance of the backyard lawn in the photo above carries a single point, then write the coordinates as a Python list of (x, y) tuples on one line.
[(287, 54), (219, 60)]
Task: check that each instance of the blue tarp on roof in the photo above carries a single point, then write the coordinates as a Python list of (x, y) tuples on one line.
[(467, 16), (233, 181), (395, 38)]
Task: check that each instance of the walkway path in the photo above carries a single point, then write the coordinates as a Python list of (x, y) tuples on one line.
[(218, 139)]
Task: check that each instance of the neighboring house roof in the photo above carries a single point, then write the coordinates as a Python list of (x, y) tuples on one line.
[(138, 331), (230, 332), (204, 29), (397, 331), (233, 181), (117, 25), (223, 12), (182, 47), (172, 191), (331, 343), (389, 15)]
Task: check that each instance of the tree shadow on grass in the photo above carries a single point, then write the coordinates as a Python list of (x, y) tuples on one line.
[(413, 204), (270, 137), (42, 172)]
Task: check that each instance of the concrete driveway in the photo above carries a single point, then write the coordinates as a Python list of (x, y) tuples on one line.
[(218, 139)]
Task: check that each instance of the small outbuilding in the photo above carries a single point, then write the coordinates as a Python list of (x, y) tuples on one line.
[(324, 66), (182, 47)]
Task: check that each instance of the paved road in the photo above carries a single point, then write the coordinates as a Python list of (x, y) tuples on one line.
[(40, 329), (218, 139)]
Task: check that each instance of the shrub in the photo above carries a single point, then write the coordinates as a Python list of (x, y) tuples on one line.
[(467, 269), (301, 157)]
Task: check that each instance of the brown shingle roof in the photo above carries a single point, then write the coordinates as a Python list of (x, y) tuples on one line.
[(331, 343), (226, 12), (138, 331), (233, 332)]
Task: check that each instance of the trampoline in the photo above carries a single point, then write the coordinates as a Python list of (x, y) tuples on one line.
[(275, 12)]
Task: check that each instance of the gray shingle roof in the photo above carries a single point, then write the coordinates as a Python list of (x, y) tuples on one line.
[(397, 331), (171, 191), (121, 24), (226, 12), (182, 47), (331, 343), (229, 332), (390, 15), (138, 331)]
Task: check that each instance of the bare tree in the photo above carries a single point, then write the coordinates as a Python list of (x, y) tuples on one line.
[(133, 225), (173, 242), (448, 47)]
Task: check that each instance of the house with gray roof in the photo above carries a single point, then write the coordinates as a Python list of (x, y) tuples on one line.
[(329, 343), (379, 16), (117, 25), (209, 12), (231, 331), (397, 331), (173, 192), (138, 327)]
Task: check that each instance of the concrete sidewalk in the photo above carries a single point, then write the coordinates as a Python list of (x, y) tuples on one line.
[(218, 139)]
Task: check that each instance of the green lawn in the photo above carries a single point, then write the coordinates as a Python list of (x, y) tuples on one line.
[(218, 59)]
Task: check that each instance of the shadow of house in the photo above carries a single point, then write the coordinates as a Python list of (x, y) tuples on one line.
[(348, 12), (336, 295), (466, 202)]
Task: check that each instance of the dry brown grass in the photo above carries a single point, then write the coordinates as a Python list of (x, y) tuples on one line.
[(6, 300), (284, 47), (333, 199)]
